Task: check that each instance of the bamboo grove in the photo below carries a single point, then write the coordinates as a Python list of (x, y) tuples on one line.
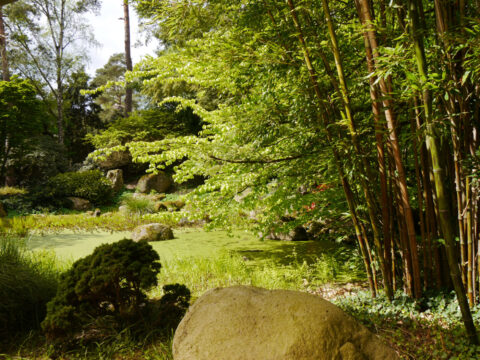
[(388, 93)]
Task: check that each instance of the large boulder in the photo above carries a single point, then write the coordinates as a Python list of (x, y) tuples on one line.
[(248, 323), (115, 160), (79, 204), (152, 232), (159, 182), (116, 177)]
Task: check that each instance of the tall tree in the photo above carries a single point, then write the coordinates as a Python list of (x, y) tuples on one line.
[(3, 42), (112, 96), (49, 37)]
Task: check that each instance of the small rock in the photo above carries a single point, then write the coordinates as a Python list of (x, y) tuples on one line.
[(159, 182), (116, 177), (169, 205), (158, 197), (160, 206), (185, 222), (3, 212), (152, 232), (132, 186), (79, 204)]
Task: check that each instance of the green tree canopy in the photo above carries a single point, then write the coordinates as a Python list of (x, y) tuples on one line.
[(20, 115)]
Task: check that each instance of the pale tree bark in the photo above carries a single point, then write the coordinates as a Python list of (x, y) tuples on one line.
[(128, 58), (3, 48)]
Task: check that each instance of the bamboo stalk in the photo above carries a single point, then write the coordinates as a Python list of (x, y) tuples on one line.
[(367, 21), (366, 169), (361, 235), (438, 171), (379, 131)]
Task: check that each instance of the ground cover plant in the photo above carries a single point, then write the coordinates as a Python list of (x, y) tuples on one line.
[(430, 328), (426, 329)]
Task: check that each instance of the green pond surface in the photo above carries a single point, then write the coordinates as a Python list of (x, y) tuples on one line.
[(70, 246)]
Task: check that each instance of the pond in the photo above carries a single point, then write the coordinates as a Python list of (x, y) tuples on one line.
[(191, 242)]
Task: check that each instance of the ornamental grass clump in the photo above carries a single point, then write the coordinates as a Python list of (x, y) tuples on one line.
[(106, 287), (138, 205), (27, 283)]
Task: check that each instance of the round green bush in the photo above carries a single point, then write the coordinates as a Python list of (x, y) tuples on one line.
[(90, 185), (109, 283)]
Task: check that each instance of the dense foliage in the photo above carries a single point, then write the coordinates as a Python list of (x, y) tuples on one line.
[(147, 125), (41, 158), (111, 282), (372, 99), (90, 185), (20, 117)]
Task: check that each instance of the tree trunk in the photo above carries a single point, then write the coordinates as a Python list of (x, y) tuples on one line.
[(3, 49), (128, 58)]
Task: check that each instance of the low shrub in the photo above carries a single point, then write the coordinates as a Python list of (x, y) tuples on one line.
[(106, 287), (16, 199), (27, 283), (7, 191), (90, 185)]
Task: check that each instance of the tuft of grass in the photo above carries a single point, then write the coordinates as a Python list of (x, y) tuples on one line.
[(138, 205), (115, 221), (15, 226), (27, 282), (229, 268)]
